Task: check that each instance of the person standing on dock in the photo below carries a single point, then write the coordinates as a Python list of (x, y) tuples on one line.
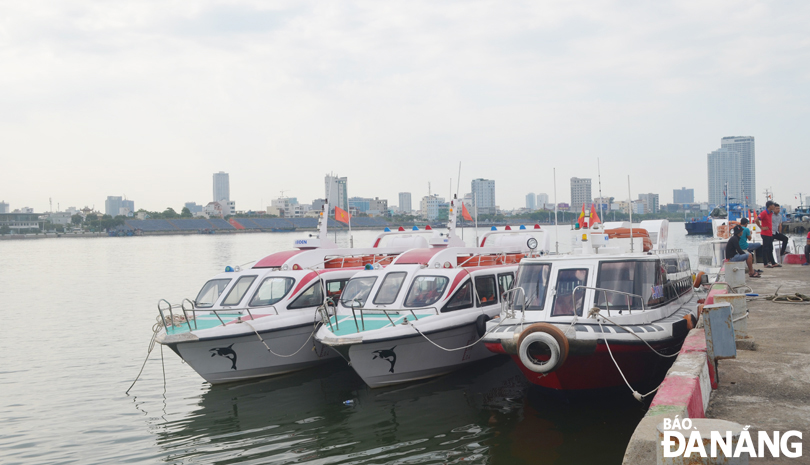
[(777, 229), (765, 223), (735, 253)]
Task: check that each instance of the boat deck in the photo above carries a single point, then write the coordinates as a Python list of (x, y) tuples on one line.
[(202, 322)]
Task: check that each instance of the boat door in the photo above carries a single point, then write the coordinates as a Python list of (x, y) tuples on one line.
[(567, 299)]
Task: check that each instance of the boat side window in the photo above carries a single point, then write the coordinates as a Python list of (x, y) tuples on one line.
[(461, 299), (533, 279), (210, 292), (312, 297), (238, 290), (568, 300), (357, 291), (271, 291), (335, 288), (505, 281), (642, 278), (426, 290), (485, 290), (389, 288)]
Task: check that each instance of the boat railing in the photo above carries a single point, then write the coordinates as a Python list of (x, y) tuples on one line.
[(666, 251), (612, 291), (508, 304), (170, 309), (189, 313), (362, 311)]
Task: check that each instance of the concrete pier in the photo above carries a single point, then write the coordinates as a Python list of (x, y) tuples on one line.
[(769, 388), (767, 385)]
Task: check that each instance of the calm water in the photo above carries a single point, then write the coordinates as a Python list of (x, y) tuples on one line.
[(77, 320)]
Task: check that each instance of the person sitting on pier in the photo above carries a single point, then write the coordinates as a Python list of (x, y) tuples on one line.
[(734, 253), (746, 236)]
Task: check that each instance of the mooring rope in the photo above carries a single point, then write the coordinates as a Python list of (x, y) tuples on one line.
[(500, 321), (155, 330), (594, 312), (314, 329)]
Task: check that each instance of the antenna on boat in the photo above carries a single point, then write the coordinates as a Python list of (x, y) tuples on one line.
[(599, 176), (630, 204), (556, 224)]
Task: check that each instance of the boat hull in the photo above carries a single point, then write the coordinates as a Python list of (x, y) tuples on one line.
[(597, 371), (399, 360), (229, 359), (698, 228)]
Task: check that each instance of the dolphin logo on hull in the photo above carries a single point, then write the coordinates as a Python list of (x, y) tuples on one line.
[(226, 352), (387, 355)]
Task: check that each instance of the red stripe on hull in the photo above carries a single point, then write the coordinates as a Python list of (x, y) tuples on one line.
[(597, 371)]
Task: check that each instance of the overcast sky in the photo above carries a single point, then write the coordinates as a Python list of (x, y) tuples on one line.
[(148, 99)]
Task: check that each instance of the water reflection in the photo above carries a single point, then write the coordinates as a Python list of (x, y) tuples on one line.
[(483, 414)]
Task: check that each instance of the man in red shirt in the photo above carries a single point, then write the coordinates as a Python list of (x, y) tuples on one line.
[(765, 223)]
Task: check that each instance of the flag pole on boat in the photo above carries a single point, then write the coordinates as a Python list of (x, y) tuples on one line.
[(556, 224), (475, 203), (630, 204)]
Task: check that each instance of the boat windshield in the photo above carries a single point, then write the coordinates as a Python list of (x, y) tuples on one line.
[(210, 293), (271, 291), (238, 290), (426, 291), (533, 279), (389, 288), (357, 291)]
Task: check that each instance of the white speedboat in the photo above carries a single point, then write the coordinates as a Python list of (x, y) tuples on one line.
[(607, 314), (260, 320), (424, 315)]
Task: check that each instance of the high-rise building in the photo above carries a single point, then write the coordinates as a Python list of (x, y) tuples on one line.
[(542, 202), (336, 192), (683, 195), (3, 207), (112, 206), (193, 207), (430, 206), (531, 203), (725, 177), (222, 187), (744, 145), (580, 193), (650, 202), (127, 207), (405, 202), (483, 191)]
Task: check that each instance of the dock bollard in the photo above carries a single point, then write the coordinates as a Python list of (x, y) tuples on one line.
[(719, 327), (740, 309), (677, 440)]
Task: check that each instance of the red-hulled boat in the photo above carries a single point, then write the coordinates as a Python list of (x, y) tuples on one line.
[(605, 316)]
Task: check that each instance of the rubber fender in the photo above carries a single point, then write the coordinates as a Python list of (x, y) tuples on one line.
[(551, 336), (481, 324), (698, 279)]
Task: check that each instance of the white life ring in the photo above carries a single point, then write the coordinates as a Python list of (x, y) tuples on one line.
[(545, 337)]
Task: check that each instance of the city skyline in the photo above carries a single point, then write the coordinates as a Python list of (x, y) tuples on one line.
[(393, 96)]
